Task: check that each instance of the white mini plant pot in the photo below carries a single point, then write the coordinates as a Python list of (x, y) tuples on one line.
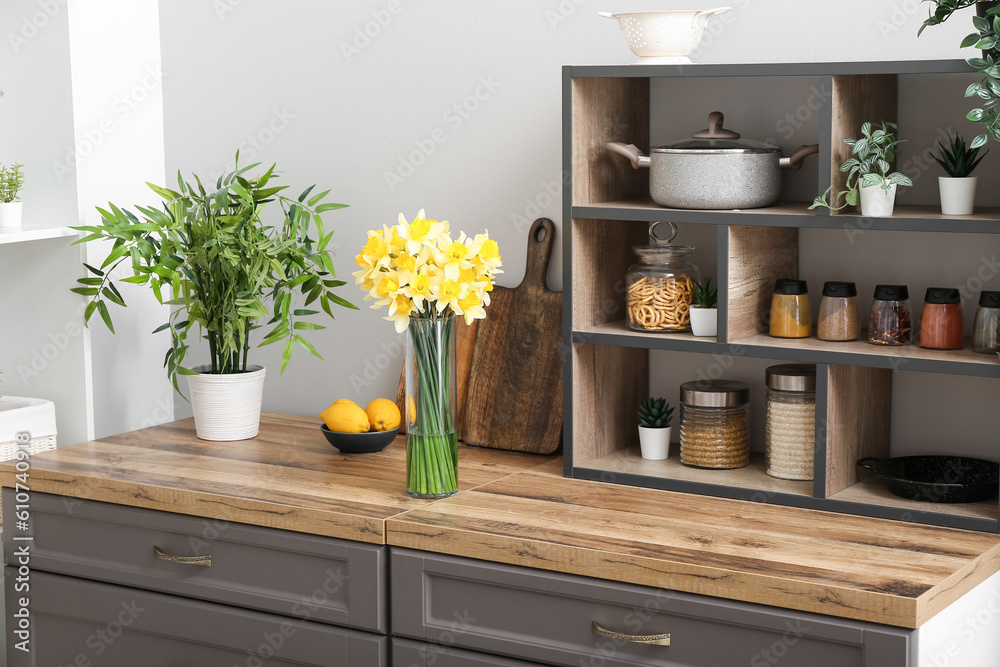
[(958, 195), (654, 443), (704, 321), (226, 407), (10, 215), (876, 202)]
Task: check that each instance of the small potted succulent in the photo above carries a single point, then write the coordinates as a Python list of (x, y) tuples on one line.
[(958, 188), (704, 313), (11, 181), (655, 417), (869, 181)]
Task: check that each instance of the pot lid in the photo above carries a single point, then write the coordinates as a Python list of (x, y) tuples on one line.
[(715, 139)]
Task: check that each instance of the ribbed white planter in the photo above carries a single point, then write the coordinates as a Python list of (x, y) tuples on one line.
[(10, 215), (876, 202), (654, 443), (958, 195), (226, 407), (704, 321)]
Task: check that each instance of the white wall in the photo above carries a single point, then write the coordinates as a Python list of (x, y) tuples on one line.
[(300, 83)]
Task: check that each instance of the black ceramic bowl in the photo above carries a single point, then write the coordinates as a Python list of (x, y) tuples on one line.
[(359, 443), (938, 479)]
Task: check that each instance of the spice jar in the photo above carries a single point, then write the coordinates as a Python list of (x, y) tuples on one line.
[(790, 314), (790, 434), (661, 285), (838, 312), (941, 321), (889, 322), (715, 417), (986, 328)]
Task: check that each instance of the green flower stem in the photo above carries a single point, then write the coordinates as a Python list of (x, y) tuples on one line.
[(431, 441)]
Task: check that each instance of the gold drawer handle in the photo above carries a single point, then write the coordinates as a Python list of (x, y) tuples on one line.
[(205, 561), (661, 640)]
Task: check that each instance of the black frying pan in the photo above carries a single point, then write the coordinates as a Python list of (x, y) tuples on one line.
[(937, 479)]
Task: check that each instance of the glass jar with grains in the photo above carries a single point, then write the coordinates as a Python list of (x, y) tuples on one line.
[(715, 417), (661, 286), (790, 434), (838, 312), (790, 314), (889, 321)]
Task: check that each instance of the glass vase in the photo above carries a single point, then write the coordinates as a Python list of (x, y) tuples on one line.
[(431, 440)]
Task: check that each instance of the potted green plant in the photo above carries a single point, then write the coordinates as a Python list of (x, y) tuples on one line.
[(655, 417), (869, 180), (958, 188), (704, 313), (210, 255), (11, 181)]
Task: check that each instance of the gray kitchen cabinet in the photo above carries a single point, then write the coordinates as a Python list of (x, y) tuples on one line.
[(408, 653), (81, 622), (87, 557), (557, 619)]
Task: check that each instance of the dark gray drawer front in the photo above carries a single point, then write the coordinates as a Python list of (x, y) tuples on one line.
[(305, 576), (543, 616), (79, 622), (407, 653)]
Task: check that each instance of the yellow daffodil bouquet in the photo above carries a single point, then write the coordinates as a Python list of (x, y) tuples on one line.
[(425, 279)]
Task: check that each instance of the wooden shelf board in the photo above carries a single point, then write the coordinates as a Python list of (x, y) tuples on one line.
[(753, 476), (25, 234), (872, 491), (985, 220), (622, 335), (862, 353)]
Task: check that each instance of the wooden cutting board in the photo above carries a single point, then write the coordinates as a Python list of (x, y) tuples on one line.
[(465, 338), (514, 395)]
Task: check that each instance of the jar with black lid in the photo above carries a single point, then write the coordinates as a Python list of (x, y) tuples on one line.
[(790, 313), (715, 416), (986, 328), (838, 312), (941, 323), (889, 322)]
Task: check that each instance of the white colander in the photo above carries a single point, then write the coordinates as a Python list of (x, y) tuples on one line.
[(664, 37)]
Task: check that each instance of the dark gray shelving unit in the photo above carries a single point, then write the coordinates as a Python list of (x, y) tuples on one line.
[(606, 374)]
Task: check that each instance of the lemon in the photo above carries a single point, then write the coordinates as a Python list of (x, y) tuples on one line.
[(346, 400), (345, 416), (383, 414)]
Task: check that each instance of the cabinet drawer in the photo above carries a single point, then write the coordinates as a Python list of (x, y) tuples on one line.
[(77, 622), (407, 653), (299, 575), (548, 617)]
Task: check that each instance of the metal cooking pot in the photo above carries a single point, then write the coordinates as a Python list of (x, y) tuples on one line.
[(714, 169), (937, 479)]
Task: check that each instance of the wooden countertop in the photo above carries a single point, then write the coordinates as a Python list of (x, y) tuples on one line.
[(518, 509)]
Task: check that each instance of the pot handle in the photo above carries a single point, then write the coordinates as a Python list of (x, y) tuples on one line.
[(868, 463), (631, 151), (709, 13), (795, 162)]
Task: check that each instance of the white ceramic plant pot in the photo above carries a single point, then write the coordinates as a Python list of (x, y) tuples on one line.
[(958, 195), (876, 202), (226, 407), (704, 321), (10, 215), (654, 443)]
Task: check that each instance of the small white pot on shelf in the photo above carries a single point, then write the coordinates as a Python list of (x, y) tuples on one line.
[(10, 215), (958, 195), (704, 321), (876, 202), (654, 443)]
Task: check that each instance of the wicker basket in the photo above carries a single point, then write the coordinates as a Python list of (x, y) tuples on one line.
[(35, 416)]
